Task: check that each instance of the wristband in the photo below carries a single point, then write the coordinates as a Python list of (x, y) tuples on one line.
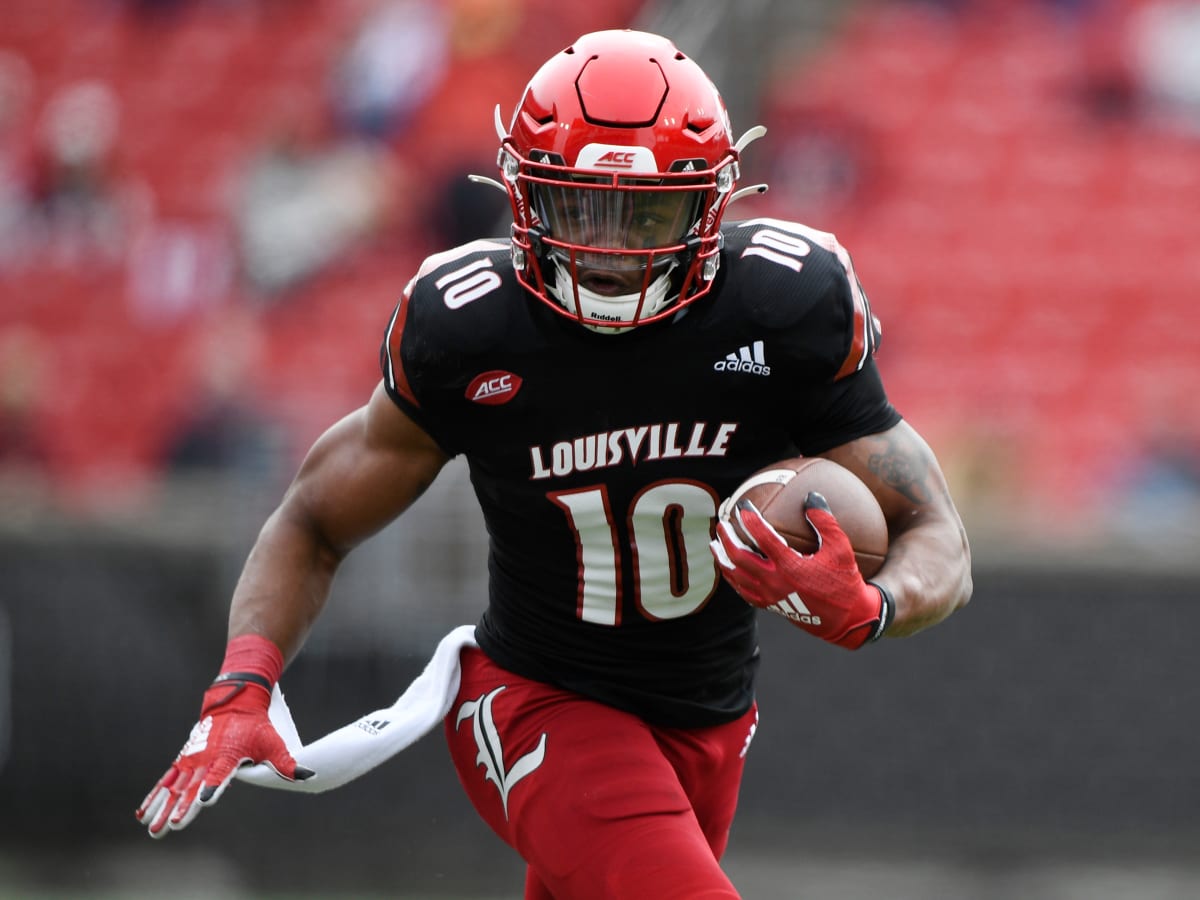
[(887, 611), (242, 678), (249, 660), (252, 658)]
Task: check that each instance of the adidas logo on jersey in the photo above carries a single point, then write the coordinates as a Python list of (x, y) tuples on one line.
[(745, 359)]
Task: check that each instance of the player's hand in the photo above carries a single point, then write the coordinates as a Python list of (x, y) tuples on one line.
[(233, 730), (823, 592)]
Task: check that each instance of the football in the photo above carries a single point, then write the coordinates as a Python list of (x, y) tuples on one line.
[(779, 491)]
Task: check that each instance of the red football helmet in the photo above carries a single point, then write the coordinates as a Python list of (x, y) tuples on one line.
[(618, 163)]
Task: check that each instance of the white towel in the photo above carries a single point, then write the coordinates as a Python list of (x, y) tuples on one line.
[(360, 746)]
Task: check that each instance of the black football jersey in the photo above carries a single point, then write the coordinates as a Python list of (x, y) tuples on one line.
[(599, 460)]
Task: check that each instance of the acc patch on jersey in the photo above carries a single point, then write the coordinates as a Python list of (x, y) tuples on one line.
[(494, 387)]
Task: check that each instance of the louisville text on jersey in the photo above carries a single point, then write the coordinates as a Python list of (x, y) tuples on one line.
[(669, 440)]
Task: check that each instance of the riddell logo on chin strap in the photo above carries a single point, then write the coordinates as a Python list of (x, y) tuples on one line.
[(493, 388)]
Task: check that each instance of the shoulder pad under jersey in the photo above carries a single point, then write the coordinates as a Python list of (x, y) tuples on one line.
[(794, 278), (456, 305)]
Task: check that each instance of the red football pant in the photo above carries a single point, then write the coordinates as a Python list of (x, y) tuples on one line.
[(598, 803)]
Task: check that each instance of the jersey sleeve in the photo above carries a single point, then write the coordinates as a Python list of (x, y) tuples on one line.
[(800, 283), (837, 330), (407, 359), (854, 402), (829, 341), (441, 327), (864, 331), (395, 379), (853, 406)]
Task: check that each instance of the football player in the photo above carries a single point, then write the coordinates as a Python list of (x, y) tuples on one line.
[(611, 371)]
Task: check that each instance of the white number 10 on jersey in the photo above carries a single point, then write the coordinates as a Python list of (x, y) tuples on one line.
[(669, 524)]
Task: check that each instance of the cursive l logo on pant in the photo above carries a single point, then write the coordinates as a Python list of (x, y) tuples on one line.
[(491, 752)]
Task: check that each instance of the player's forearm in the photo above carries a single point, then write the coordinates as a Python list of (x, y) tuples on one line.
[(358, 476), (928, 571), (285, 582)]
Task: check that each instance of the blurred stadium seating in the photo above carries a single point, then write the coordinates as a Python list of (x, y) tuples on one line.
[(1033, 264), (197, 89)]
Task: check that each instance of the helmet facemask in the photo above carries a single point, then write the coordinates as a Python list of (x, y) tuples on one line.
[(616, 251)]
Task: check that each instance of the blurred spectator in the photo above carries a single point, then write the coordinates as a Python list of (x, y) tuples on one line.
[(395, 58), (820, 159), (225, 429), (1164, 38), (156, 10), (80, 200), (453, 134), (1141, 62), (178, 268), (1158, 496), (1108, 82), (23, 370), (481, 28), (306, 200), (983, 470), (817, 163), (468, 211), (16, 94), (1071, 9)]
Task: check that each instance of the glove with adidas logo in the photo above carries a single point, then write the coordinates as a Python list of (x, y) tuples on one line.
[(823, 593), (233, 730)]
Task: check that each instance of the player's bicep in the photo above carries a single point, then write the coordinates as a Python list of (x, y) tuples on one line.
[(928, 565), (362, 473), (902, 471)]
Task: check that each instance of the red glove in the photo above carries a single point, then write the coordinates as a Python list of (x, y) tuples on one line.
[(824, 593), (233, 730)]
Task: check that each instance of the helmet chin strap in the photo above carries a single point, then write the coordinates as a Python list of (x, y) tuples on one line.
[(598, 306)]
